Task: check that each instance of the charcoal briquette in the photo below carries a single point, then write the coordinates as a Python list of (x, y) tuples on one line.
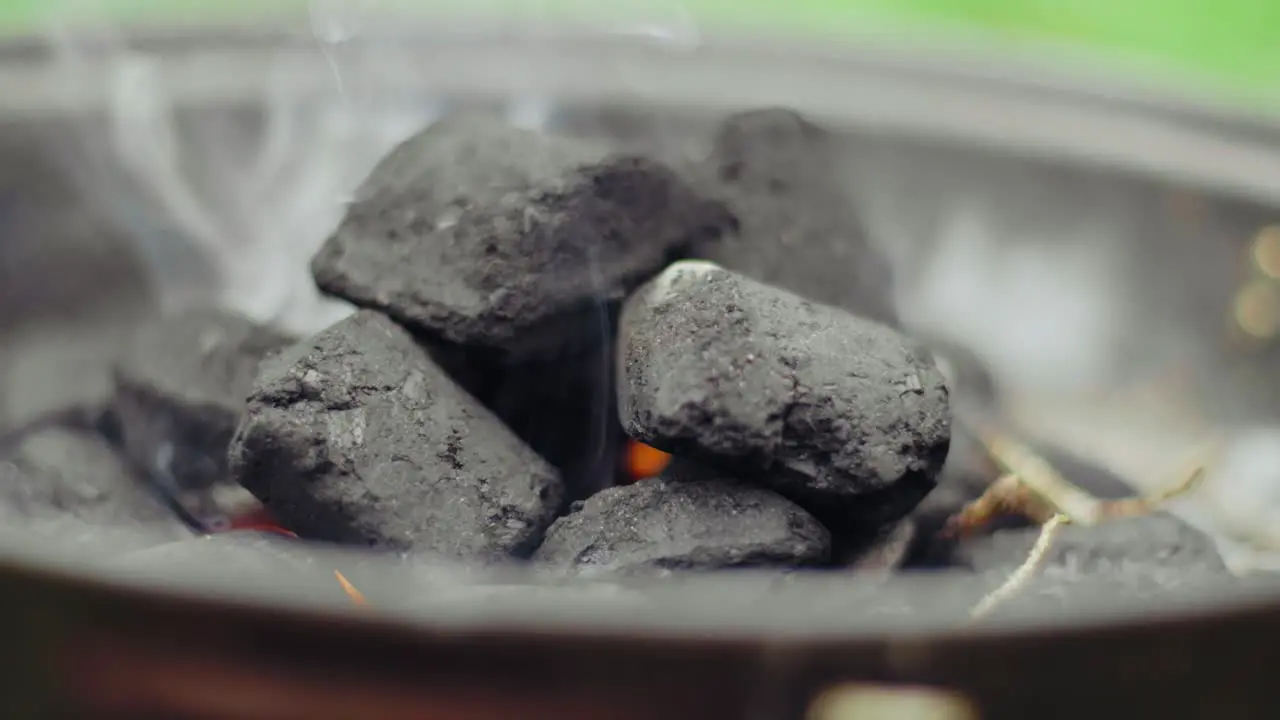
[(779, 173), (491, 236), (357, 436), (671, 524), (180, 387), (838, 413)]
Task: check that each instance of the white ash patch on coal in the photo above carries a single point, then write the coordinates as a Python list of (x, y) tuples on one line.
[(663, 287)]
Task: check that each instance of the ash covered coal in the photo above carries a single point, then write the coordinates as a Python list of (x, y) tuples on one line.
[(839, 413), (355, 435), (669, 523), (516, 248), (491, 236)]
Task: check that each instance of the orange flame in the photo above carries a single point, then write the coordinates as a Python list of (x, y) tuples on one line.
[(644, 461)]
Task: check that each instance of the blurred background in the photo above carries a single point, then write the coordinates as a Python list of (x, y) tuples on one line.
[(1228, 43)]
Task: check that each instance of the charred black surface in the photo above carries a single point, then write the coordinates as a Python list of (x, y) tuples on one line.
[(491, 236), (840, 414), (672, 524), (357, 436)]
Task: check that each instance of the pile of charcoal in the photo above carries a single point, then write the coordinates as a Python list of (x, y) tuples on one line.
[(486, 262), (525, 304)]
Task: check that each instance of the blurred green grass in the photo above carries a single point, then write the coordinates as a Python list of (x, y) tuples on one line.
[(1233, 42)]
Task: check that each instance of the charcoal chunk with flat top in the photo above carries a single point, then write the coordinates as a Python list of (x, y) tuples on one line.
[(357, 436), (843, 415), (180, 387), (666, 523), (780, 174), (497, 237)]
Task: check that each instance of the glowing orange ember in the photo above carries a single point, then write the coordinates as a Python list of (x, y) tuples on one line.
[(644, 461), (356, 596), (259, 520)]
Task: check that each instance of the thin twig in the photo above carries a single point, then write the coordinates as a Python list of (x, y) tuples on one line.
[(1008, 495), (1064, 496), (1189, 479), (356, 596), (1025, 571)]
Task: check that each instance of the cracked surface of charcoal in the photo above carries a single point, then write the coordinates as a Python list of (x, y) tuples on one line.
[(665, 523), (69, 485), (180, 386), (838, 413), (797, 230), (491, 236), (357, 436)]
